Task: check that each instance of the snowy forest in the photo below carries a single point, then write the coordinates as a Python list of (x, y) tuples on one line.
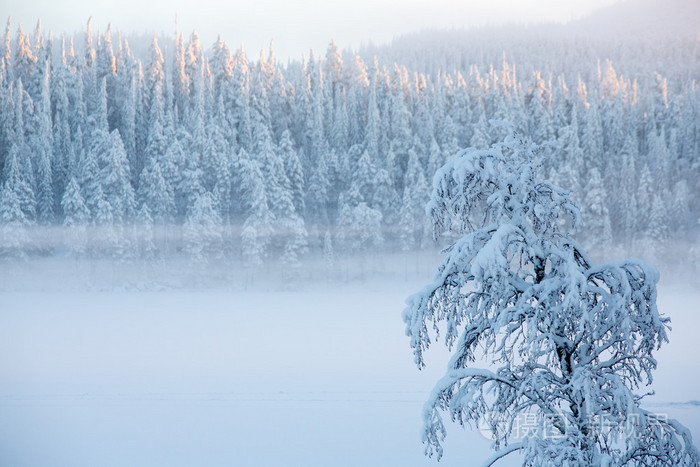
[(178, 147), (216, 256)]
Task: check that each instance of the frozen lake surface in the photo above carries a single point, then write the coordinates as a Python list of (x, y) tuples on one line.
[(321, 375)]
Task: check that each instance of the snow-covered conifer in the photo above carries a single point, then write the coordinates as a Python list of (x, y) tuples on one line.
[(114, 175), (154, 193), (596, 232), (257, 227), (202, 229), (76, 218), (145, 238), (360, 228), (329, 255), (294, 172), (13, 234)]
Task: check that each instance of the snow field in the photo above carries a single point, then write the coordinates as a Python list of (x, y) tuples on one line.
[(318, 376)]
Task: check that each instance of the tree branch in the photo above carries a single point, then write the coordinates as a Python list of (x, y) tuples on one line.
[(502, 453)]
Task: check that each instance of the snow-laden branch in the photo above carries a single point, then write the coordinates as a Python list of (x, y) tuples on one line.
[(502, 453), (570, 340)]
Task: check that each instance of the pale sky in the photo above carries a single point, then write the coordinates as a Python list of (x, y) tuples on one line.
[(295, 26)]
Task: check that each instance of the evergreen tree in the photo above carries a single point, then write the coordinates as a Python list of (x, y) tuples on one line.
[(372, 130), (417, 190), (13, 224), (257, 227), (384, 197), (319, 193), (645, 197), (145, 237), (597, 232), (154, 193), (295, 244), (76, 218), (360, 228), (25, 61), (114, 175), (108, 242), (172, 168), (480, 135), (215, 168), (202, 229), (19, 179), (191, 186), (329, 258), (654, 239), (407, 228), (294, 172), (45, 190)]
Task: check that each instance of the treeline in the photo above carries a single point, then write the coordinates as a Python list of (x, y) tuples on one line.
[(210, 153)]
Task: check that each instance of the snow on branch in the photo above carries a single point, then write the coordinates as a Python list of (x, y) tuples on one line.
[(567, 341)]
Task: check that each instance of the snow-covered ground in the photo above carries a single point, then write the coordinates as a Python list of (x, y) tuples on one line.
[(315, 374)]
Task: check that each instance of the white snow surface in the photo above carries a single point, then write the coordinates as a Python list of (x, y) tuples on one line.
[(313, 374)]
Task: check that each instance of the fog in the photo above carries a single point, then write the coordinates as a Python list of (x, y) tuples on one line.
[(294, 27)]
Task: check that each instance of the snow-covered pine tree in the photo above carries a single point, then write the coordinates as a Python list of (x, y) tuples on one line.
[(257, 227), (480, 137), (653, 243), (417, 190), (318, 193), (157, 197), (329, 259), (202, 229), (114, 175), (295, 244), (597, 232), (644, 197), (569, 340), (145, 238), (108, 241), (154, 192), (76, 218), (294, 171), (385, 199), (360, 228), (19, 180), (13, 224), (407, 226)]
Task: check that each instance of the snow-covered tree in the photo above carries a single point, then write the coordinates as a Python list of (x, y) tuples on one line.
[(114, 174), (13, 224), (294, 171), (360, 228), (568, 341), (407, 229), (145, 238), (108, 241), (202, 229), (329, 256), (597, 232), (76, 218), (295, 244), (257, 227), (154, 192), (309, 124)]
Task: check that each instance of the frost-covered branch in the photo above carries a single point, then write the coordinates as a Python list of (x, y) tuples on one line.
[(570, 340)]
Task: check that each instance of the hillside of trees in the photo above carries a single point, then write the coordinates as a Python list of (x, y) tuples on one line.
[(199, 150)]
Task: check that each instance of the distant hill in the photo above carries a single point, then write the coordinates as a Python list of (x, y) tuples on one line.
[(631, 33), (643, 17)]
